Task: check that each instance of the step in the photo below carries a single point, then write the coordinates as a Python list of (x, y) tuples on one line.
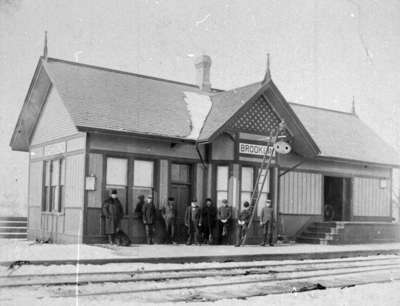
[(13, 235), (310, 234), (13, 224), (12, 229), (14, 219), (324, 224), (310, 240), (319, 229)]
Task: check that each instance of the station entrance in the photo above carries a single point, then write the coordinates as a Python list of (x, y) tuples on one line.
[(181, 190), (337, 198)]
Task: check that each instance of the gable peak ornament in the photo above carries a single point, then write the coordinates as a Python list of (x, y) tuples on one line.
[(45, 46), (267, 75)]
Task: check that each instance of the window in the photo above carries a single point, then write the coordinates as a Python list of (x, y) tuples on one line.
[(47, 180), (54, 180), (222, 184), (117, 171), (62, 184), (143, 179), (180, 173), (264, 192), (116, 178), (247, 184)]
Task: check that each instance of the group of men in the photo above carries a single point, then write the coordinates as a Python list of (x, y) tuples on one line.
[(207, 224)]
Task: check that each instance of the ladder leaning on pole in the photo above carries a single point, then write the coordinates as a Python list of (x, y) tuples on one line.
[(262, 177)]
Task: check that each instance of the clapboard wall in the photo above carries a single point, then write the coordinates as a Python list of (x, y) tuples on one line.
[(301, 193), (370, 199)]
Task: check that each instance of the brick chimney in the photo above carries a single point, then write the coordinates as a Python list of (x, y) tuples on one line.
[(203, 64)]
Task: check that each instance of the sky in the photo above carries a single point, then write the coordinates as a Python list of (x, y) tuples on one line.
[(323, 53)]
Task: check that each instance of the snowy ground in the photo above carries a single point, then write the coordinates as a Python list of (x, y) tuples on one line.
[(11, 250), (385, 294)]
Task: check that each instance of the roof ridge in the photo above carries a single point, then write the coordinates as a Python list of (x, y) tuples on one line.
[(236, 88), (323, 108), (52, 59)]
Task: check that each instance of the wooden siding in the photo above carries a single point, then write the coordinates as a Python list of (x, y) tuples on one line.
[(94, 197), (146, 147), (73, 222), (35, 183), (223, 148), (35, 194), (369, 198), (74, 180), (54, 121), (301, 193)]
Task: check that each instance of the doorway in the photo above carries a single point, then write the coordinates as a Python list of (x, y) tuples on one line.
[(181, 190), (337, 198)]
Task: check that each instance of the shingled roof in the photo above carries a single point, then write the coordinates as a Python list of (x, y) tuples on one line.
[(343, 135), (109, 100)]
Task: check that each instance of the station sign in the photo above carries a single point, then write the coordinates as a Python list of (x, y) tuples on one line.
[(254, 149)]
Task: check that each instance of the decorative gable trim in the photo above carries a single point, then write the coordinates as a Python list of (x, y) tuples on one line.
[(279, 107), (258, 118)]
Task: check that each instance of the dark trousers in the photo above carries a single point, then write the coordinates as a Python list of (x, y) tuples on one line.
[(149, 228), (267, 233), (208, 233), (240, 232), (193, 233), (170, 226), (224, 235)]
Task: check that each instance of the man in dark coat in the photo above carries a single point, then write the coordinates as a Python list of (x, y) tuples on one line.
[(148, 217), (113, 213), (266, 220), (243, 222), (208, 220), (169, 214), (193, 222), (224, 217)]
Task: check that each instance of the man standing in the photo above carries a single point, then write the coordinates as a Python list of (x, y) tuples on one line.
[(113, 213), (169, 214), (266, 220), (139, 206), (193, 222), (243, 222), (208, 220), (224, 217), (149, 215)]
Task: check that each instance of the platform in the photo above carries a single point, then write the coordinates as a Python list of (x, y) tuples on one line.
[(48, 254)]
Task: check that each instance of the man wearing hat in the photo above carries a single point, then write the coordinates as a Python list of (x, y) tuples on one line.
[(193, 222), (149, 216), (266, 219), (224, 217), (209, 219), (113, 213), (243, 222), (169, 215)]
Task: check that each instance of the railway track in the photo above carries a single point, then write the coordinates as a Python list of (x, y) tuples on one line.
[(180, 283)]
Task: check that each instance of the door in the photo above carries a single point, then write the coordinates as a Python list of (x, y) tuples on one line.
[(181, 184), (347, 195), (337, 196), (333, 195), (181, 193)]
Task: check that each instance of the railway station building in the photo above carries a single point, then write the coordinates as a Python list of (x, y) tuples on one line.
[(89, 130)]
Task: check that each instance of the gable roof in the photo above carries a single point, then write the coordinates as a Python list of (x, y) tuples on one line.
[(105, 99), (115, 101), (344, 136)]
